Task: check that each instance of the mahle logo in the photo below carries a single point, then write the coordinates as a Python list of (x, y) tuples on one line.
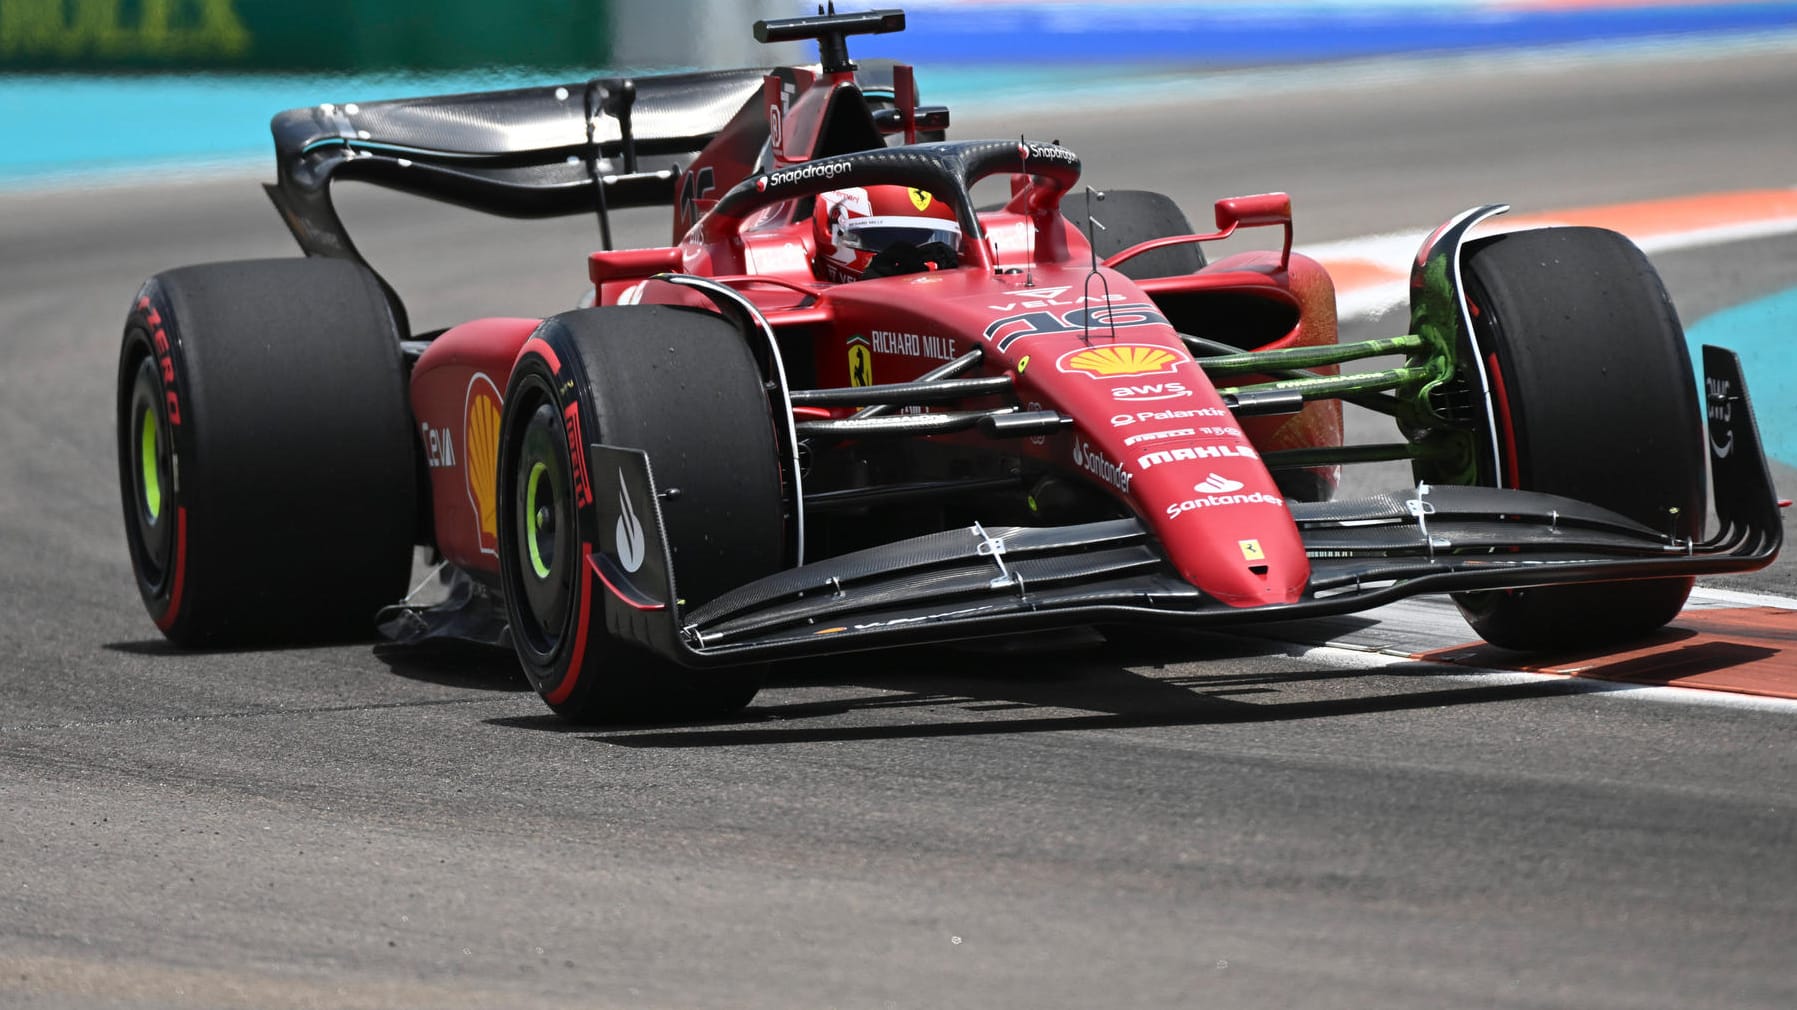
[(1186, 453)]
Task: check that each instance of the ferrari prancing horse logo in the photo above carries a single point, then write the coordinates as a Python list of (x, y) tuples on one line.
[(919, 198), (861, 362)]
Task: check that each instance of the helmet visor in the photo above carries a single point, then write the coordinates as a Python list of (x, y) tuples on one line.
[(876, 234)]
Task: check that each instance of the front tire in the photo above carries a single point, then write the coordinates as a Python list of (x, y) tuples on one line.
[(680, 384), (1595, 400)]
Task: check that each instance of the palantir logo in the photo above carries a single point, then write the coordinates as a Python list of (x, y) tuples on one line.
[(630, 531), (1216, 483)]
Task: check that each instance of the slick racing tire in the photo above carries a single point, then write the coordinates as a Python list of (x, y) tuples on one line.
[(1133, 216), (266, 458), (1594, 398), (681, 385)]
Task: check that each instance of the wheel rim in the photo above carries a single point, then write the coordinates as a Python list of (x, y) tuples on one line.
[(149, 468), (544, 520), (539, 520), (153, 492)]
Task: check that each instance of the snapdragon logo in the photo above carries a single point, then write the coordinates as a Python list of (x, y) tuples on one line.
[(809, 170), (1050, 152), (1154, 459), (1094, 462)]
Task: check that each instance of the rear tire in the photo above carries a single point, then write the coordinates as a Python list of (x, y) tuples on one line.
[(1588, 361), (1132, 216), (680, 384), (266, 460)]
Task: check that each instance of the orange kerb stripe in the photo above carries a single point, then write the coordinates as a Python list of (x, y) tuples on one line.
[(1653, 218), (1642, 221), (1749, 650)]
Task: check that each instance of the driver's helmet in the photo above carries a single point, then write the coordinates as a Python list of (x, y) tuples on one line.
[(905, 230)]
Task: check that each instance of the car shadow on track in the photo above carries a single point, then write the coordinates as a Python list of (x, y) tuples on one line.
[(943, 692), (447, 664), (455, 664)]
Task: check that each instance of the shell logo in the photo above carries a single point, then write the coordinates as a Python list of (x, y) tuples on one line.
[(480, 444), (1116, 360)]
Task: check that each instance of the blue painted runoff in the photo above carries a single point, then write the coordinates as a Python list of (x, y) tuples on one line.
[(75, 128), (1237, 34), (71, 127), (1762, 332)]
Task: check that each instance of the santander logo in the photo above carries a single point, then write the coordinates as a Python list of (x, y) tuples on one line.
[(1217, 484)]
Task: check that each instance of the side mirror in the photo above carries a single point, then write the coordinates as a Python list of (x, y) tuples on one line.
[(1260, 210), (1263, 209)]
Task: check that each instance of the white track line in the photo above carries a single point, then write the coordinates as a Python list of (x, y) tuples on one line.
[(1359, 659), (1709, 597)]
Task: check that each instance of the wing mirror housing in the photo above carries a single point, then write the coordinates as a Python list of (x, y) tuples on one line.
[(1262, 210)]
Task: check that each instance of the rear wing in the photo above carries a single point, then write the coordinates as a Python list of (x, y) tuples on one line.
[(531, 152)]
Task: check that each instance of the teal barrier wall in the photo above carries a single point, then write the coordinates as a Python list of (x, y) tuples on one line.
[(301, 35)]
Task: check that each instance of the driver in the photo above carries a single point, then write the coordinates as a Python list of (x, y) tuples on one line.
[(883, 231)]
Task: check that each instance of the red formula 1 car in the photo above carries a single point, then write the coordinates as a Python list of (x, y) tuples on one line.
[(847, 408)]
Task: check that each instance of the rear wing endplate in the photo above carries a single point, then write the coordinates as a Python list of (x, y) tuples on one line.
[(531, 152)]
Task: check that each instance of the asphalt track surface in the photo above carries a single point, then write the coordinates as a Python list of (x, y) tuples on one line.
[(1164, 822)]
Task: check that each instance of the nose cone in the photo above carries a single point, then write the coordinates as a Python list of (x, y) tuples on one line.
[(1153, 428), (1205, 492), (1227, 532)]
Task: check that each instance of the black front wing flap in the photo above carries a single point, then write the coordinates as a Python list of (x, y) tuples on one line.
[(979, 581)]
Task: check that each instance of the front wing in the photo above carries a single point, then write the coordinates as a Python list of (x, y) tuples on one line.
[(978, 581)]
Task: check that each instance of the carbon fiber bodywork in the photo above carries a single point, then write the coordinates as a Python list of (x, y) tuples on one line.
[(528, 152), (978, 581)]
